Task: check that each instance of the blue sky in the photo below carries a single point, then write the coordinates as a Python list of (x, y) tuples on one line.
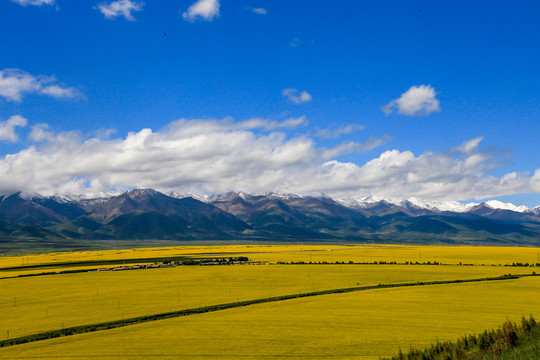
[(437, 100)]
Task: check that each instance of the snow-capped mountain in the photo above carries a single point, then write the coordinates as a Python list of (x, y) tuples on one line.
[(438, 206), (150, 214), (412, 202), (180, 195), (494, 204), (30, 195), (451, 206), (282, 196), (363, 202)]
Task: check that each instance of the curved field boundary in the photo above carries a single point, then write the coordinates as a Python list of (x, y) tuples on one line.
[(172, 314)]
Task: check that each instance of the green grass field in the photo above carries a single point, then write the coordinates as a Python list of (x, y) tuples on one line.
[(355, 325)]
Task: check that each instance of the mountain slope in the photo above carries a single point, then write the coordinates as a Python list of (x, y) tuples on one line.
[(149, 214), (20, 208)]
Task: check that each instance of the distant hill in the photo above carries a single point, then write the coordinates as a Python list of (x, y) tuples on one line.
[(142, 214)]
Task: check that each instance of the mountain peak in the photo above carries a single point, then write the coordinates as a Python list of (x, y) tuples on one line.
[(452, 206), (181, 195), (282, 196), (147, 213), (28, 195), (495, 204), (141, 193)]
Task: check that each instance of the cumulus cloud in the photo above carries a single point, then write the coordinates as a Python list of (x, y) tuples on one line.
[(187, 155), (296, 97), (34, 2), (401, 174), (120, 8), (39, 133), (204, 9), (7, 128), (16, 83), (259, 11), (417, 101), (332, 132), (255, 155)]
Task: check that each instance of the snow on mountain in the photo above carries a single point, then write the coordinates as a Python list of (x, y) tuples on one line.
[(282, 196), (495, 204), (140, 193), (535, 210), (363, 202), (452, 206), (30, 195), (85, 198), (414, 202), (180, 195)]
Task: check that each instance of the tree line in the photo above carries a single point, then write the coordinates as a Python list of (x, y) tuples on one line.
[(490, 344)]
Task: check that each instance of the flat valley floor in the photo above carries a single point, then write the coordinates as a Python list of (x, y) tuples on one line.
[(366, 324)]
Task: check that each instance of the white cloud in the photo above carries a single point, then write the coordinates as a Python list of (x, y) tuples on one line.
[(417, 101), (7, 128), (187, 155), (119, 8), (297, 98), (272, 124), (260, 11), (396, 174), (15, 84), (39, 133), (34, 2), (469, 146), (58, 92), (295, 42), (353, 147), (205, 9), (254, 155), (332, 132)]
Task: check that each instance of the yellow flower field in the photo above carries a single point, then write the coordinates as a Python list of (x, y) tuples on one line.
[(315, 253), (33, 304), (29, 305), (361, 325)]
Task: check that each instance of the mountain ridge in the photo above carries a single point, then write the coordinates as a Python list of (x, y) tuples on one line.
[(150, 214)]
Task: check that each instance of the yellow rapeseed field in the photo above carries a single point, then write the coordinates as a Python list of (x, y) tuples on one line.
[(30, 305), (360, 325), (315, 253), (33, 304)]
